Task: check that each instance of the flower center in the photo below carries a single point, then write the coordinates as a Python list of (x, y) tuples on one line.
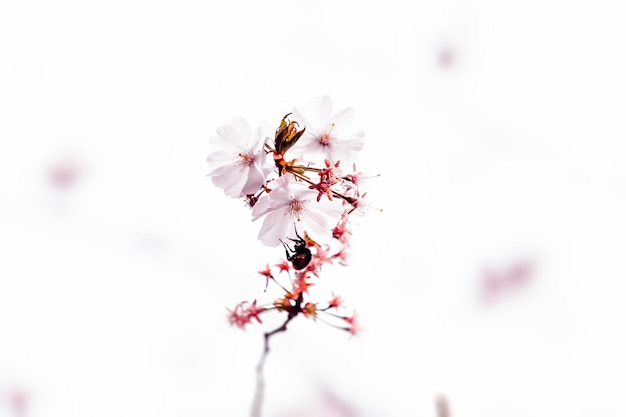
[(326, 138), (296, 209), (245, 158)]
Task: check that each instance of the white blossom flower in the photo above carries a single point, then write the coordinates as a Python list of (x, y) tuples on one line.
[(239, 168), (327, 134), (292, 205)]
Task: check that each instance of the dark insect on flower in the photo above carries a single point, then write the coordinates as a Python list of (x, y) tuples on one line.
[(300, 256)]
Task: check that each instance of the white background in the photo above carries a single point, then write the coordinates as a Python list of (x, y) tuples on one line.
[(113, 287)]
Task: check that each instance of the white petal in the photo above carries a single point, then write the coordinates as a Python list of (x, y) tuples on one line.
[(223, 169), (321, 233), (231, 181), (254, 181), (274, 228), (345, 150), (325, 110), (322, 217), (243, 128), (316, 114), (228, 138), (219, 158), (261, 208), (343, 120), (235, 189)]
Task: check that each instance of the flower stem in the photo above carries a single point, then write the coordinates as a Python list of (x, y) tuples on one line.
[(259, 394)]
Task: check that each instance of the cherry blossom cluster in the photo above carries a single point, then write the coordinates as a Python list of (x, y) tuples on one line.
[(293, 178)]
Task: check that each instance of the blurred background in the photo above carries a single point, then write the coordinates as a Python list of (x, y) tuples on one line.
[(490, 285)]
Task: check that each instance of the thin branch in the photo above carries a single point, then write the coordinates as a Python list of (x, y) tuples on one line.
[(259, 395), (443, 409)]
